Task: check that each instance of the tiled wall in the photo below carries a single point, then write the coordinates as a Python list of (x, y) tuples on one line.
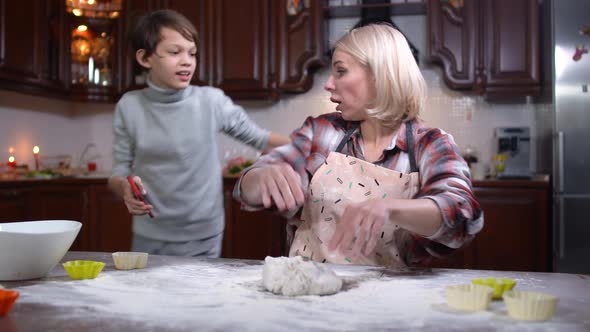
[(59, 127)]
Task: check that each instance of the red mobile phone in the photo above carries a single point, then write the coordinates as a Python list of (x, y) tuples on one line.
[(138, 194)]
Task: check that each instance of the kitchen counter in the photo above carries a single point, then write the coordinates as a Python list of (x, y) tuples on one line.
[(536, 181), (189, 294)]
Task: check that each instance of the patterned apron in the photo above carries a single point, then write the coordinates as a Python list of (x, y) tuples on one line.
[(341, 180)]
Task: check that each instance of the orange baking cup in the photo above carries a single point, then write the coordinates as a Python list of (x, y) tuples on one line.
[(7, 299)]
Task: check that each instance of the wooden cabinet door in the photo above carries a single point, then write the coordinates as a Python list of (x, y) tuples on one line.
[(132, 76), (511, 36), (30, 45), (63, 202), (111, 222), (515, 236), (241, 48), (199, 12), (14, 204), (298, 43), (251, 235), (453, 41)]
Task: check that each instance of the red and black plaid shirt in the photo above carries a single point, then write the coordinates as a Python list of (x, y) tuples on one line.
[(444, 174)]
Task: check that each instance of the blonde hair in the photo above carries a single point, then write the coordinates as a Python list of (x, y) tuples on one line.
[(400, 90)]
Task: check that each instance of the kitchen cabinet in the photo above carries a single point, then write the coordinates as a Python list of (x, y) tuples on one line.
[(62, 202), (516, 234), (14, 204), (110, 222), (251, 49), (251, 235), (487, 46), (106, 224), (31, 46)]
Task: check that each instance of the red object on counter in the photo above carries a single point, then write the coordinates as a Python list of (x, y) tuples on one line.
[(7, 299), (91, 166), (138, 194)]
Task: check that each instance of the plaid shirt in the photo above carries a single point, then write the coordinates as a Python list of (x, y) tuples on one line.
[(444, 174)]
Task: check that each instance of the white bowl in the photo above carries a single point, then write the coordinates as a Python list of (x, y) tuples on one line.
[(30, 249)]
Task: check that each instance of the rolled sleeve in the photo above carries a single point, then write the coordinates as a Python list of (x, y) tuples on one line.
[(294, 154), (446, 181)]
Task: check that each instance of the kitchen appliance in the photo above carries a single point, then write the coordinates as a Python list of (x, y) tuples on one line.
[(571, 77), (515, 144)]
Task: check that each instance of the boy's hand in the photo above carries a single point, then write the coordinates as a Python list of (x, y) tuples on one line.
[(134, 205)]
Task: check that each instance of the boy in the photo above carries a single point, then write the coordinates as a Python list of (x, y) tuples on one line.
[(165, 135)]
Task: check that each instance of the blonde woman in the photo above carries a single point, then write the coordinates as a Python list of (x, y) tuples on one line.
[(369, 184)]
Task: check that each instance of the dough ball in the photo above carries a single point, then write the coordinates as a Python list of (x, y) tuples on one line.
[(292, 276)]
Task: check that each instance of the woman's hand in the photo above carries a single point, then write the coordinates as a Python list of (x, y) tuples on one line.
[(360, 226), (276, 183), (134, 205)]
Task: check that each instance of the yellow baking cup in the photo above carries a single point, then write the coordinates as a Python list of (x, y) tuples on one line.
[(83, 269), (500, 285)]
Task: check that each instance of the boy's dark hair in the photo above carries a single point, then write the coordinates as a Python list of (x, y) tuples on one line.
[(146, 32)]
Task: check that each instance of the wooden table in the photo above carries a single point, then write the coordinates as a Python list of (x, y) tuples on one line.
[(189, 294)]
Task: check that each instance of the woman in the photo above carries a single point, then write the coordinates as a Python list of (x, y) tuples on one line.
[(376, 186)]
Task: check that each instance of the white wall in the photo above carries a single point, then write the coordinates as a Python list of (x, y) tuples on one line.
[(59, 127)]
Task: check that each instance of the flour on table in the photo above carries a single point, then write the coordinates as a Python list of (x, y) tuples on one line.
[(294, 277)]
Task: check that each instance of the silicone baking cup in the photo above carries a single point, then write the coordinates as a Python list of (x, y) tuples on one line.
[(83, 269), (469, 297), (7, 299), (536, 306), (500, 285), (130, 260)]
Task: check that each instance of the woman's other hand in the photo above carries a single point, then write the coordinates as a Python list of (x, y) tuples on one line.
[(360, 226)]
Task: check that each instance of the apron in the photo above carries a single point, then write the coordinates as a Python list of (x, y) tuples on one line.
[(341, 180)]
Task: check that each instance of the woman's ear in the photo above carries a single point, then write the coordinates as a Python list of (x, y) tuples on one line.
[(141, 59)]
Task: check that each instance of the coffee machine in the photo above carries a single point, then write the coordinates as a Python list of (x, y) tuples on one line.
[(515, 144)]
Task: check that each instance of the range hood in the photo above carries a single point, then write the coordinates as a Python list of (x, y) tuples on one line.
[(379, 11)]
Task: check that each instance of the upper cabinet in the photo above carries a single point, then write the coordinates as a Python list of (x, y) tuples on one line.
[(31, 47), (488, 46), (251, 49)]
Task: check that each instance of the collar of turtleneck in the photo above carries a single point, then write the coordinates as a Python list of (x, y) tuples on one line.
[(164, 95)]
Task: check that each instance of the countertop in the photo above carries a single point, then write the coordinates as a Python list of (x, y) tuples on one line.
[(190, 294)]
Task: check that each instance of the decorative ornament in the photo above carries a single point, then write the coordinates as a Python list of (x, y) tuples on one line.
[(294, 7), (457, 4)]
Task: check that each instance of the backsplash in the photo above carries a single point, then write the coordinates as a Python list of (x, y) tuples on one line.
[(470, 119), (59, 127)]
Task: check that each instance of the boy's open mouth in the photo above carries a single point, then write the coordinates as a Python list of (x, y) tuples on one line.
[(184, 75)]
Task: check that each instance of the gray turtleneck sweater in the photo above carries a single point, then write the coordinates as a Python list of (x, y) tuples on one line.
[(168, 139)]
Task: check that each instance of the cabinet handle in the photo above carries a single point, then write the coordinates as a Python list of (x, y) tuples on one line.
[(561, 230), (560, 160)]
